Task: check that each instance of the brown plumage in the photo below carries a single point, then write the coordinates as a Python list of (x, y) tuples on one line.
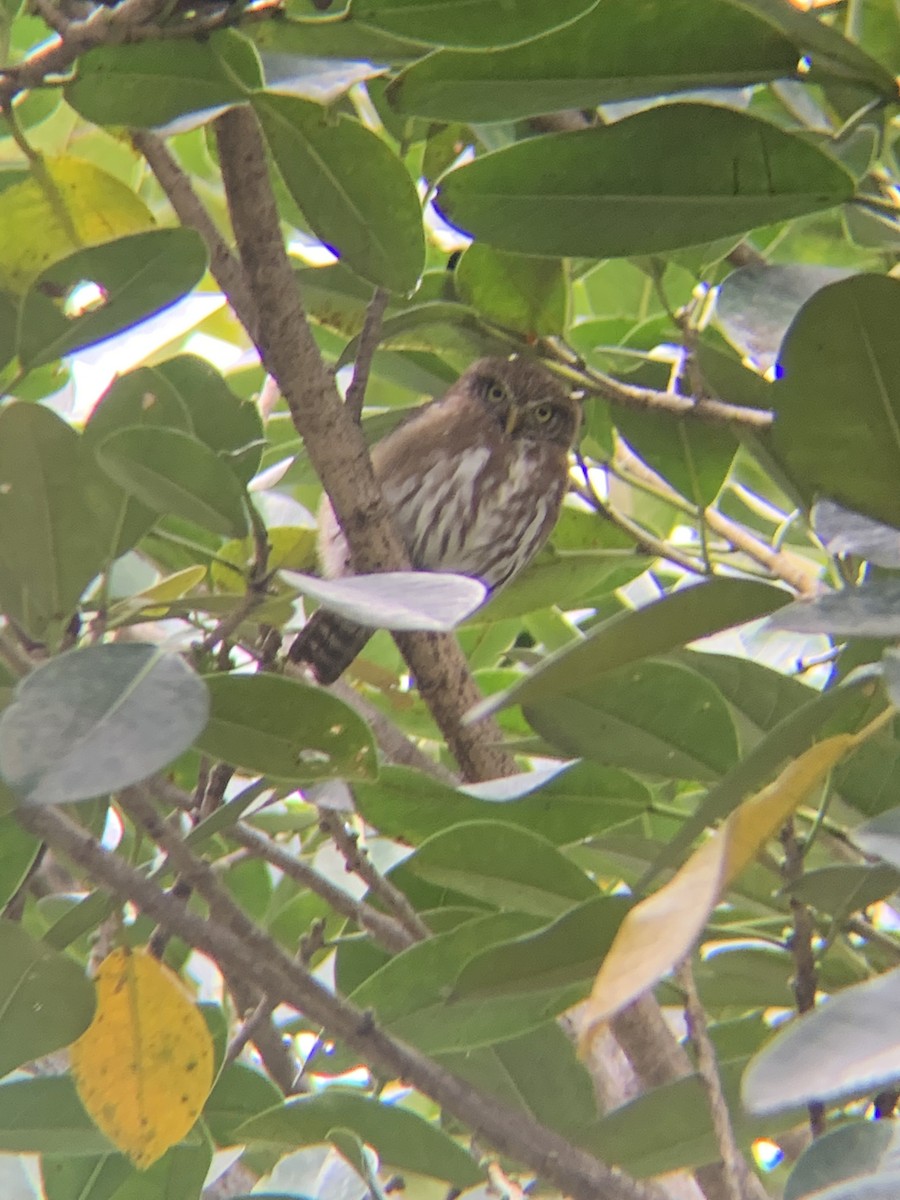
[(475, 481)]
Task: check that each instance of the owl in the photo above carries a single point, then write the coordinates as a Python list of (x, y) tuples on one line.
[(474, 481)]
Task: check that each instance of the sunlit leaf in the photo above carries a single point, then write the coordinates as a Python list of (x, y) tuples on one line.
[(144, 1068), (50, 214)]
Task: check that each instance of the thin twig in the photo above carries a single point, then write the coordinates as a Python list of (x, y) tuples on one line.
[(241, 948), (365, 352), (175, 182), (385, 930), (388, 932), (736, 1170), (627, 395), (800, 944), (359, 862)]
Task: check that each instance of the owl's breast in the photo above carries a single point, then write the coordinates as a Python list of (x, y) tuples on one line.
[(482, 512)]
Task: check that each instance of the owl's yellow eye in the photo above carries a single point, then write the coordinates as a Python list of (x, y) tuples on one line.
[(497, 392), (543, 412)]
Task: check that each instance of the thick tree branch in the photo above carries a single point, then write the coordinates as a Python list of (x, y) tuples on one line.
[(334, 441), (241, 948)]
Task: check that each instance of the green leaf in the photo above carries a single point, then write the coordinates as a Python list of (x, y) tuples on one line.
[(585, 800), (356, 194), (239, 1093), (140, 397), (693, 457), (230, 426), (153, 82), (528, 295), (409, 993), (286, 729), (678, 1114), (9, 315), (18, 851), (45, 1116), (837, 430), (137, 276), (476, 23), (565, 579), (537, 1073), (832, 56), (613, 52), (52, 519), (761, 695), (97, 719), (756, 304), (178, 1175), (838, 709), (403, 1140), (553, 959), (681, 617), (175, 473), (671, 176), (530, 876), (46, 1000), (652, 717)]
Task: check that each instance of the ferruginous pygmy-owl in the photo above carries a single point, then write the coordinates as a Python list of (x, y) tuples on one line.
[(475, 481)]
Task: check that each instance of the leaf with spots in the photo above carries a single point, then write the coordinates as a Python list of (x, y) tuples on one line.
[(286, 729), (144, 1067)]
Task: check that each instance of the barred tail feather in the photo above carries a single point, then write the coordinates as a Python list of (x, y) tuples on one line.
[(329, 644)]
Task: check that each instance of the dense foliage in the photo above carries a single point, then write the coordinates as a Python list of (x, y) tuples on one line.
[(435, 950)]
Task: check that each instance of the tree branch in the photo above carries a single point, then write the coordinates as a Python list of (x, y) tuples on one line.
[(736, 1170), (358, 861), (365, 352), (225, 266), (334, 441), (240, 947)]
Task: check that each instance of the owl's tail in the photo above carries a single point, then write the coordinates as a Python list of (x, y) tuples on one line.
[(329, 644)]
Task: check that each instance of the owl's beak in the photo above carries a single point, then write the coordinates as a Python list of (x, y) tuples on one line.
[(512, 420)]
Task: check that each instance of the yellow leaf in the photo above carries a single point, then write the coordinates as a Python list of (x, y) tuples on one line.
[(660, 931), (46, 219), (154, 601), (144, 1066)]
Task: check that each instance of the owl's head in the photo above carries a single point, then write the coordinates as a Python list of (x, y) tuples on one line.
[(526, 400)]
